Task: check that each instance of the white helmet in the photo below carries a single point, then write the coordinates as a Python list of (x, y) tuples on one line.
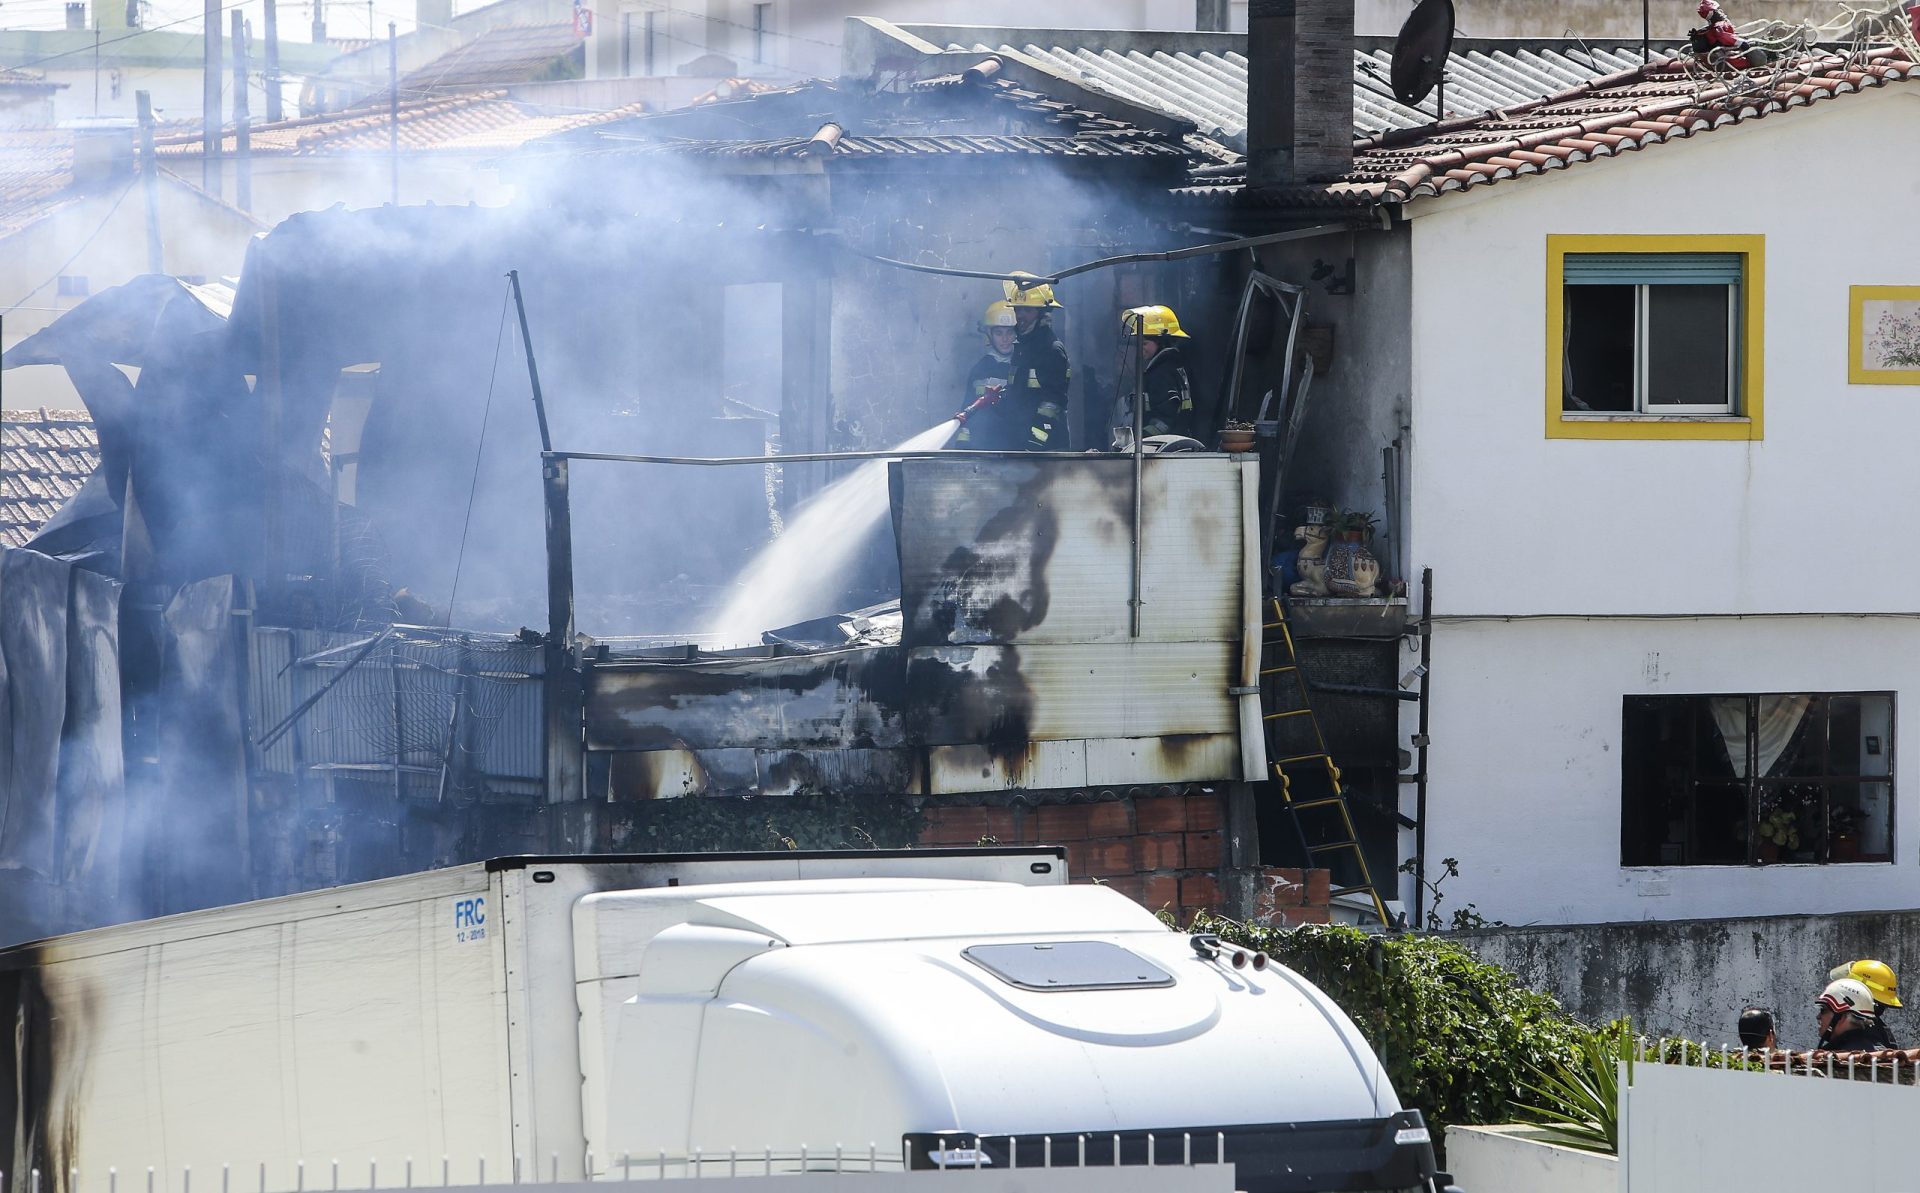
[(1847, 994)]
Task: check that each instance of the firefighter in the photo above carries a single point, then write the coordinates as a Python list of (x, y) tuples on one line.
[(1040, 371), (1169, 393), (984, 423)]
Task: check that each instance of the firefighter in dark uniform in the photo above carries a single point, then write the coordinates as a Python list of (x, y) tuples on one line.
[(1040, 374), (1169, 392), (985, 423)]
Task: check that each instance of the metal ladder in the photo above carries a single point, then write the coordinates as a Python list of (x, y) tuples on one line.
[(1297, 752)]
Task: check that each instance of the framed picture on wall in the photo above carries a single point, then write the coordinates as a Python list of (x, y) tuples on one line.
[(1883, 335)]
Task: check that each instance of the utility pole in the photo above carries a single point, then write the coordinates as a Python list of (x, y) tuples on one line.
[(242, 146), (210, 97), (319, 22), (393, 107), (274, 113), (150, 183)]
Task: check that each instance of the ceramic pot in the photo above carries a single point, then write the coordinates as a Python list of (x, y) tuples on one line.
[(1236, 441)]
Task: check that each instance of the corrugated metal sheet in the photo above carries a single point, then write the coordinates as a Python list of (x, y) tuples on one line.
[(1016, 669), (1011, 551), (1211, 89)]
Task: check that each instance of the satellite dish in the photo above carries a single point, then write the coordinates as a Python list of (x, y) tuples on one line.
[(1420, 52)]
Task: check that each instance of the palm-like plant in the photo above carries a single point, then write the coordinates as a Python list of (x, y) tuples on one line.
[(1577, 1097)]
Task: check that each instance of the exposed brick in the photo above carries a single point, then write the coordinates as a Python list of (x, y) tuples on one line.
[(1160, 813), (1159, 891), (1199, 891), (1109, 818), (965, 826), (1205, 851), (1158, 851), (1062, 822), (1296, 916), (1109, 859), (1132, 886), (1317, 888), (1204, 813)]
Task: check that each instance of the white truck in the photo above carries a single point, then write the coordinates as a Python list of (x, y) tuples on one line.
[(614, 1016)]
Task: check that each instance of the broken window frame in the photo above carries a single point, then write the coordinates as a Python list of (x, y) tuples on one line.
[(1798, 773)]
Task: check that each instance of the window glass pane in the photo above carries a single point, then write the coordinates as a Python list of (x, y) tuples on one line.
[(1792, 736), (1656, 769), (1860, 822), (1598, 336), (1687, 346), (1719, 824), (1792, 822), (1859, 735)]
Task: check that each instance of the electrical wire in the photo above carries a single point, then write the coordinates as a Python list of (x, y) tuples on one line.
[(473, 487), (84, 245)]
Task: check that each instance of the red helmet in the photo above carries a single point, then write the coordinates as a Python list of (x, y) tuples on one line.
[(1708, 8)]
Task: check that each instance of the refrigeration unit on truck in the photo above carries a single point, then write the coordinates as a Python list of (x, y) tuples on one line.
[(927, 1006)]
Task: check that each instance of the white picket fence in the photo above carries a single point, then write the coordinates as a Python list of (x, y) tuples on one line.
[(1182, 1170)]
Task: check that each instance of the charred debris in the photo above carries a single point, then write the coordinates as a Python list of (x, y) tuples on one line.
[(310, 621)]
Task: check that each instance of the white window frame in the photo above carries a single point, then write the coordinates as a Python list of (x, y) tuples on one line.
[(1642, 317)]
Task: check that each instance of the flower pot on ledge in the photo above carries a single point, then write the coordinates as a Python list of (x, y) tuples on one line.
[(1235, 439)]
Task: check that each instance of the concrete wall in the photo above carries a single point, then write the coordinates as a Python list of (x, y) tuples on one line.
[(1692, 978), (1511, 1159)]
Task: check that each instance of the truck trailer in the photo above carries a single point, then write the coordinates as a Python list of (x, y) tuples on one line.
[(610, 1017)]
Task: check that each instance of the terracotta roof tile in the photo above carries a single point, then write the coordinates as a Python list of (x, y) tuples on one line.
[(45, 456), (1630, 110)]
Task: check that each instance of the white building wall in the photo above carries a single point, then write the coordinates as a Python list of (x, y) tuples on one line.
[(1514, 522), (1525, 762)]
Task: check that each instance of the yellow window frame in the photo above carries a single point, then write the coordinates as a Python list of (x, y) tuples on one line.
[(1748, 424)]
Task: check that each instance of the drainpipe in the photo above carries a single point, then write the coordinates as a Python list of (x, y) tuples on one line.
[(1420, 745), (1139, 455)]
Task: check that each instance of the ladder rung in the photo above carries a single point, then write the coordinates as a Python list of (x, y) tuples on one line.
[(1298, 712), (1281, 670), (1301, 758), (1304, 805), (1355, 845)]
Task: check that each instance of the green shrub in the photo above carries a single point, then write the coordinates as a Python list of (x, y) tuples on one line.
[(1461, 1040)]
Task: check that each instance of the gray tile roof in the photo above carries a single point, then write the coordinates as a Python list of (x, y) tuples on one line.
[(1210, 88), (45, 456)]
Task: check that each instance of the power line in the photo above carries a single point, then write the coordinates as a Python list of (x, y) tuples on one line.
[(84, 245)]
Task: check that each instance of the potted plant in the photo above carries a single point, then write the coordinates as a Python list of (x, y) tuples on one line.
[(1236, 436), (1843, 834), (1352, 526), (1779, 830)]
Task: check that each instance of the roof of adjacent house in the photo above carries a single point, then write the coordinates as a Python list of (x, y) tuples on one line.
[(480, 121), (511, 54), (36, 167), (1634, 109), (26, 82), (946, 117), (45, 456), (1202, 77)]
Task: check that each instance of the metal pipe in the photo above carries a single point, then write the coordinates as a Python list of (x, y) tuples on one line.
[(1420, 744), (1198, 250), (813, 457), (1139, 456), (533, 371)]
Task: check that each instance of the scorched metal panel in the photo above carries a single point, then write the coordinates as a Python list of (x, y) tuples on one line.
[(1028, 551)]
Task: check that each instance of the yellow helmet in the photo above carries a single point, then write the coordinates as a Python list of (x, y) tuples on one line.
[(1876, 976), (1022, 294), (999, 314), (1151, 321)]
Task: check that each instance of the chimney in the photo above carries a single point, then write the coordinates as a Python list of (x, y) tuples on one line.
[(76, 15), (432, 15), (102, 152), (1299, 91)]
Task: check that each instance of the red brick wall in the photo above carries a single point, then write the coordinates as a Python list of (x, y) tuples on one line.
[(1167, 851)]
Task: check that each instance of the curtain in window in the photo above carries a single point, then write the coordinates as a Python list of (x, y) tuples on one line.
[(1566, 359), (1780, 718)]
